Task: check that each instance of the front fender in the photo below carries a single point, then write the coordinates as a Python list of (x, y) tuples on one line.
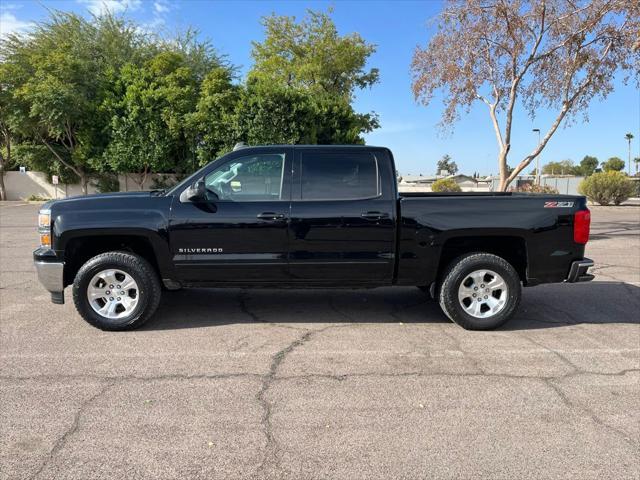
[(144, 218)]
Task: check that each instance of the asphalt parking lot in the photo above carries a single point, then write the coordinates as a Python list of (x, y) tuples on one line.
[(324, 384)]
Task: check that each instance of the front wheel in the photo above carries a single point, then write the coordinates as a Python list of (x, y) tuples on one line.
[(480, 291), (116, 291)]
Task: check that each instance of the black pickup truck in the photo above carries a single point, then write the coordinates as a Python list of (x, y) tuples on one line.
[(307, 216)]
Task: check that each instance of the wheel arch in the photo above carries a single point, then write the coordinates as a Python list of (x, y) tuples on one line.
[(512, 248), (79, 247)]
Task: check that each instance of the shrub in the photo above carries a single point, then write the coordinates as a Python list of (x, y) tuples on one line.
[(607, 187), (532, 188), (445, 185), (37, 198)]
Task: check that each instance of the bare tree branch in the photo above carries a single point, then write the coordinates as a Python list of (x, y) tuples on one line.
[(553, 54)]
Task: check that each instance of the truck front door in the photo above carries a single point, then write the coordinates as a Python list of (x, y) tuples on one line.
[(239, 235)]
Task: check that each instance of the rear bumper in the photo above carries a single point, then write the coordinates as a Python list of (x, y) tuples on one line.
[(578, 271)]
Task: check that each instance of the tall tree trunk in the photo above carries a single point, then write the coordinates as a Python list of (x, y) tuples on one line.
[(84, 183), (504, 172), (142, 177), (3, 162), (3, 191), (79, 171)]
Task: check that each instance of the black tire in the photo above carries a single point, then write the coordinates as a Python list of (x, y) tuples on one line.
[(142, 272), (458, 270)]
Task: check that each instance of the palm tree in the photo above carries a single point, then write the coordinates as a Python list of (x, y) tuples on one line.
[(629, 137)]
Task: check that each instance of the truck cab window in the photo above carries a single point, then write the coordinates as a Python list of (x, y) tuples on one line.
[(339, 176), (248, 179)]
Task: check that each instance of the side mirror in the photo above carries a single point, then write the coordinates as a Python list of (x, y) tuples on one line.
[(195, 193)]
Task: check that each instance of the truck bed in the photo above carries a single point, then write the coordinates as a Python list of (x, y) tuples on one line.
[(432, 224)]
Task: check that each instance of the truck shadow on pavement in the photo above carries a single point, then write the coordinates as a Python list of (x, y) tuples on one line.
[(545, 306), (618, 230)]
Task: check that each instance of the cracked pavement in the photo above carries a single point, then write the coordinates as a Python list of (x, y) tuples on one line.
[(325, 383)]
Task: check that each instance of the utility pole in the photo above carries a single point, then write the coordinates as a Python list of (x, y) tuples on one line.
[(537, 130)]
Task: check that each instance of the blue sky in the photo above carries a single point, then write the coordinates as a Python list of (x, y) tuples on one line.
[(410, 130)]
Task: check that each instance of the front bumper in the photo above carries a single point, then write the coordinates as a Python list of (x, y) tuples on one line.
[(578, 271), (50, 275)]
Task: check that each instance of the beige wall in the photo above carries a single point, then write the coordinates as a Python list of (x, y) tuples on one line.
[(466, 187), (21, 186)]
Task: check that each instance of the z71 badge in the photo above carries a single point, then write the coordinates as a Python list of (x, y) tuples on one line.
[(558, 204)]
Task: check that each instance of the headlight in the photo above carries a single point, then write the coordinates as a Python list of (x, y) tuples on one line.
[(44, 228)]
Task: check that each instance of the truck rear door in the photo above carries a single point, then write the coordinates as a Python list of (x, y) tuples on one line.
[(342, 224)]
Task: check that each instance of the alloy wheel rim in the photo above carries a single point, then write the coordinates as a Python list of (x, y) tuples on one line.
[(113, 293), (483, 293)]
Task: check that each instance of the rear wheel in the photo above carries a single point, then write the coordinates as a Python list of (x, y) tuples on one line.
[(116, 291), (480, 291)]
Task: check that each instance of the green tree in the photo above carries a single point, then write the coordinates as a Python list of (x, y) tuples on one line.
[(588, 165), (149, 124), (269, 113), (57, 70), (628, 137), (563, 167), (310, 54), (8, 111), (307, 74), (613, 164), (445, 163), (213, 121), (336, 122)]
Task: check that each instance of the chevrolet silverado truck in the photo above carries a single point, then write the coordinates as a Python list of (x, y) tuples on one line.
[(308, 216)]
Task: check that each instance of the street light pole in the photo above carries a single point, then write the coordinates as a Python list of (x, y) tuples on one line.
[(537, 158)]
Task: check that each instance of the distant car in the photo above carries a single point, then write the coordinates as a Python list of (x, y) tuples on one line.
[(308, 216)]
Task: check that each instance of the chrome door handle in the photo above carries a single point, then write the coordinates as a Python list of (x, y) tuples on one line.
[(270, 216), (374, 215)]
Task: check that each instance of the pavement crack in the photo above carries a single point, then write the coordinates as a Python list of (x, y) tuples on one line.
[(458, 346), (272, 449), (223, 376), (562, 358), (346, 376), (130, 378), (75, 425), (589, 413), (243, 298)]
